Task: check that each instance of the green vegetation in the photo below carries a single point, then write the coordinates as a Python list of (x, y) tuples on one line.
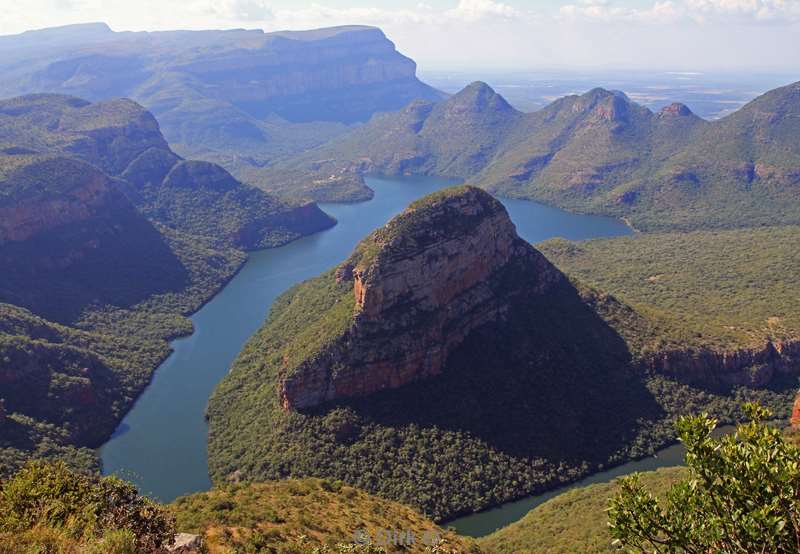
[(574, 522), (301, 515), (521, 407), (723, 289), (228, 97), (108, 241), (48, 508), (70, 384), (598, 152), (123, 140), (741, 495)]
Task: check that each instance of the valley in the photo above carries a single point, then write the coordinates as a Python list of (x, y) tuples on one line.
[(161, 444), (271, 291)]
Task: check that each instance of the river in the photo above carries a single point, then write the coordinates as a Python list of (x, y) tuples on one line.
[(161, 443)]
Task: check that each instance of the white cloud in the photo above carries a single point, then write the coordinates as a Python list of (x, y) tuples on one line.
[(477, 10), (692, 34), (697, 11)]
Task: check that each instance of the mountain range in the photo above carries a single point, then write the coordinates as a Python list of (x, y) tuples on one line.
[(240, 97), (598, 152)]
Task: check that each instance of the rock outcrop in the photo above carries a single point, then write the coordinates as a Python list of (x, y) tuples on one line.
[(755, 367), (51, 135), (440, 270), (795, 421)]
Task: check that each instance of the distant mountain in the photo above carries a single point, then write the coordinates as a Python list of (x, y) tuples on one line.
[(107, 240), (598, 152), (239, 97)]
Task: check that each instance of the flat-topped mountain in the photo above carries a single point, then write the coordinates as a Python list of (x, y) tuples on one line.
[(238, 97), (597, 152)]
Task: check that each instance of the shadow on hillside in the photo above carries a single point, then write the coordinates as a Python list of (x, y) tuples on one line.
[(553, 382), (55, 383), (117, 258)]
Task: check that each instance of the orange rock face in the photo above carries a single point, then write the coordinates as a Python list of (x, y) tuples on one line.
[(450, 269), (796, 413), (22, 220), (752, 367)]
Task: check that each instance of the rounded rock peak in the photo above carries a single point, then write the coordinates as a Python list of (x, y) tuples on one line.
[(675, 109), (451, 213)]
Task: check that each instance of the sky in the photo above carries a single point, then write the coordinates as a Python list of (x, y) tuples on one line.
[(703, 35)]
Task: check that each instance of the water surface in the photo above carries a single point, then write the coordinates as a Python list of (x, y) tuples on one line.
[(483, 523), (161, 443)]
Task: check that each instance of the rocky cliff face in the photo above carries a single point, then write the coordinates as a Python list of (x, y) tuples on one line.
[(748, 367), (47, 135), (421, 285), (238, 97), (85, 193)]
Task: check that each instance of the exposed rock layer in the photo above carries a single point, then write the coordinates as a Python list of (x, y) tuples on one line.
[(755, 367), (421, 285)]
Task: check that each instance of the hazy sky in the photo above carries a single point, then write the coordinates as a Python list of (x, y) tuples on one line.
[(759, 35)]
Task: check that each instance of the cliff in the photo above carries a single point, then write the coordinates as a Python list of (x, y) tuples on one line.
[(123, 142), (420, 286), (710, 309), (105, 229), (241, 98), (750, 367), (446, 364)]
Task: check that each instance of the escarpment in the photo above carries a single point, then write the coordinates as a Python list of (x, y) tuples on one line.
[(420, 286), (49, 134), (752, 367)]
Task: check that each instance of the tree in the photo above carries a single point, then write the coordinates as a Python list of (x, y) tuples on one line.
[(742, 495)]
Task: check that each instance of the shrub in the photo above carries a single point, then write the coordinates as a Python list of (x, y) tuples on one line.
[(50, 496), (742, 495)]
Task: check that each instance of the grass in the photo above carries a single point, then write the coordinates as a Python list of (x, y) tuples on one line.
[(48, 508), (720, 289), (303, 514)]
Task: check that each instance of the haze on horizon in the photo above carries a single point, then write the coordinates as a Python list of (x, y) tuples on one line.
[(719, 35)]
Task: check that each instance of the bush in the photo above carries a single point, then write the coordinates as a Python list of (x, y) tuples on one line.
[(82, 507), (742, 495)]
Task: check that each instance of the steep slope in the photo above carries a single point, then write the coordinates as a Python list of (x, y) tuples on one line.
[(110, 240), (716, 308), (432, 367), (122, 139), (63, 215), (447, 364), (455, 138), (598, 152), (239, 97)]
